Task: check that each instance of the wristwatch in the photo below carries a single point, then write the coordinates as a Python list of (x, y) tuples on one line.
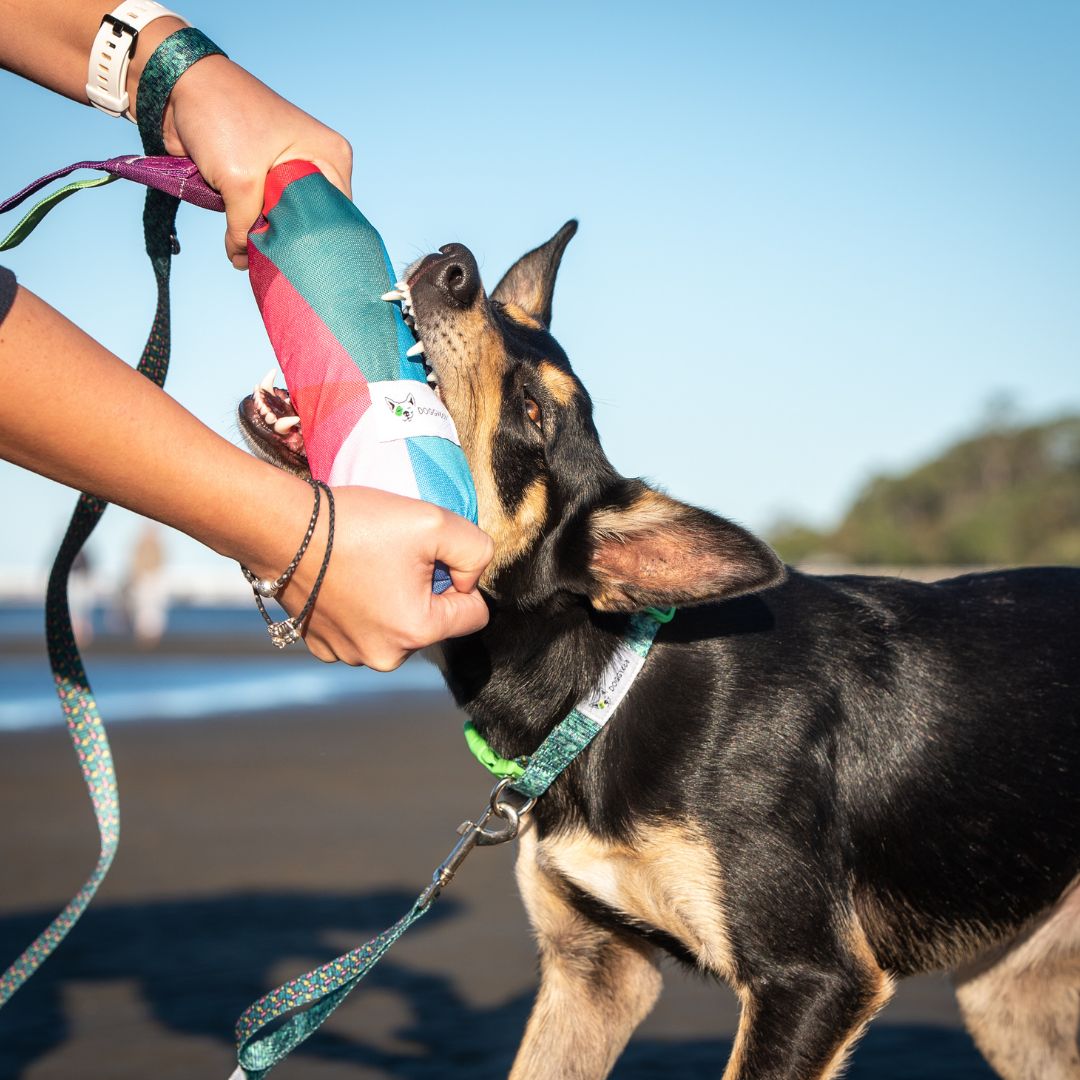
[(111, 53)]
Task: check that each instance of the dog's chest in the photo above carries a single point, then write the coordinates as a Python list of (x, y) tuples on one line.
[(668, 879)]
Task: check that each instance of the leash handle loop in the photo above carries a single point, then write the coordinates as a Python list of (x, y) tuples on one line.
[(319, 993)]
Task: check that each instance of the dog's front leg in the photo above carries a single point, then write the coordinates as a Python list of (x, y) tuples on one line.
[(596, 986), (800, 1024)]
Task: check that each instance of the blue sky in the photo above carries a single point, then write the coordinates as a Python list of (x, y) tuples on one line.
[(815, 239)]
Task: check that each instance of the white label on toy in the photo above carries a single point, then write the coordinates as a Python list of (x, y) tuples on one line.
[(615, 681), (405, 408)]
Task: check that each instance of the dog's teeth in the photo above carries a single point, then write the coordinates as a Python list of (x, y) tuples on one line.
[(286, 424), (432, 378), (401, 285), (392, 296), (267, 383), (416, 350)]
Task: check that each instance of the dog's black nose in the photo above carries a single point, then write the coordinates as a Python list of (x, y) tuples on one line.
[(458, 277)]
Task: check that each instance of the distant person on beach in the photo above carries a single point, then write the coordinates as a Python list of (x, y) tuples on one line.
[(145, 589), (81, 597), (86, 419)]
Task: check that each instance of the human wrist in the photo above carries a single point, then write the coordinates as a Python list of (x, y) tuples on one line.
[(148, 41), (269, 512)]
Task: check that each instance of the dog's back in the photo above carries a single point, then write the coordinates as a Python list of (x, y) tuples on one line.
[(923, 721)]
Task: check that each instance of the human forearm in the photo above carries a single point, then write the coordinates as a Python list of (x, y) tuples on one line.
[(49, 41), (88, 420)]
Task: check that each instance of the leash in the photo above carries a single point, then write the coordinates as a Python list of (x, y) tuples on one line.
[(85, 726), (319, 992)]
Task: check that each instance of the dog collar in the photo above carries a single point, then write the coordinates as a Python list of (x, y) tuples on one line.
[(533, 775)]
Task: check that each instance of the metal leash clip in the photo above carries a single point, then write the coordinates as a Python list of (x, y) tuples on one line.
[(479, 834)]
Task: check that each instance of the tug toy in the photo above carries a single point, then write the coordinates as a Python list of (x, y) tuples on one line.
[(327, 293)]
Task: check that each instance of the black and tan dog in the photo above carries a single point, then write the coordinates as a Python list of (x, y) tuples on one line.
[(817, 785)]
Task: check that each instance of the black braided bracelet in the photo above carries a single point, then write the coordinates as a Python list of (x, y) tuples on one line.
[(288, 630), (264, 586)]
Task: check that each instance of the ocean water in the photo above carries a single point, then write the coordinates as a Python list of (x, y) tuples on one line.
[(159, 686)]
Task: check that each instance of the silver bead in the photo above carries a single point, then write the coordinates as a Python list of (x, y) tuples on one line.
[(265, 587)]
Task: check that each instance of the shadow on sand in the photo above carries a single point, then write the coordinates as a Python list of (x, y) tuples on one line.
[(198, 963)]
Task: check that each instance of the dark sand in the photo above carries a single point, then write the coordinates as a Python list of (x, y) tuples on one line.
[(256, 847)]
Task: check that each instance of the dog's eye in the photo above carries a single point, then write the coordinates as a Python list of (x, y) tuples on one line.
[(532, 411)]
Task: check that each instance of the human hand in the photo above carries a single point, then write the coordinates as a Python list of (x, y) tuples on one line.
[(376, 606), (236, 129)]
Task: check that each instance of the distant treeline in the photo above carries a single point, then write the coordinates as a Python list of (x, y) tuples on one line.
[(1009, 495)]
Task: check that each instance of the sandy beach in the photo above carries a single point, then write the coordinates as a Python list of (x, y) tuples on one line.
[(256, 846)]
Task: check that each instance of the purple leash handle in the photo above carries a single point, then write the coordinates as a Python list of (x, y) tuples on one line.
[(176, 176)]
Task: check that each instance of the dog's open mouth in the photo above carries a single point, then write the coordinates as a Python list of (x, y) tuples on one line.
[(269, 422), (267, 417), (401, 293)]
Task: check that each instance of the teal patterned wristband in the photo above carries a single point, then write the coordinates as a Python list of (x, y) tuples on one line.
[(166, 64)]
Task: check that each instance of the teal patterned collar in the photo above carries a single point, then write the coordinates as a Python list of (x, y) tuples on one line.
[(532, 776)]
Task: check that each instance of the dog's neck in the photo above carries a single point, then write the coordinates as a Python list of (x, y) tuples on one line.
[(520, 675)]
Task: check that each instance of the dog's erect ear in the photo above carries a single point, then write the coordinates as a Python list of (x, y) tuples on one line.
[(530, 282), (653, 551)]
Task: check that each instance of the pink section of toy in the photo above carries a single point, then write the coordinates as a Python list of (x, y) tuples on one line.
[(328, 390)]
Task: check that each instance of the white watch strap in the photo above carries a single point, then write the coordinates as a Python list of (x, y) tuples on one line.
[(110, 55)]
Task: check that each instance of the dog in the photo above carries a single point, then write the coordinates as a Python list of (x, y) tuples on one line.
[(816, 786)]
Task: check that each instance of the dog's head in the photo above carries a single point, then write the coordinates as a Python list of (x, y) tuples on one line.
[(563, 520)]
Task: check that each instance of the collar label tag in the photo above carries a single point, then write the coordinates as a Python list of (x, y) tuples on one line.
[(615, 682), (404, 408)]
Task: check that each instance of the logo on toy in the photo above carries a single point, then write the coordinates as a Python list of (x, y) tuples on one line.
[(405, 410)]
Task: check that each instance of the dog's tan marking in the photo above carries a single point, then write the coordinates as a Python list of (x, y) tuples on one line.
[(668, 879), (514, 533), (1021, 1001), (651, 511), (876, 989), (596, 985), (560, 384), (737, 1058), (470, 357), (520, 315), (880, 988), (930, 947)]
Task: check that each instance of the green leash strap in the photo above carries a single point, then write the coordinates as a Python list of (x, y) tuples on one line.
[(72, 686), (33, 217)]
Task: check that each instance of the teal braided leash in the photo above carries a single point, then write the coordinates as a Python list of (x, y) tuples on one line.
[(321, 991), (72, 686)]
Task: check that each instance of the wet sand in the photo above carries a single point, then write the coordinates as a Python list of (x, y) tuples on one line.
[(254, 847)]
